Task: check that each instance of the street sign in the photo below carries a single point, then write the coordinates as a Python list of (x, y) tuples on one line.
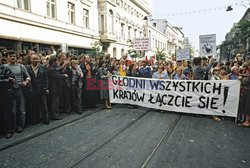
[(208, 45), (183, 54), (142, 44)]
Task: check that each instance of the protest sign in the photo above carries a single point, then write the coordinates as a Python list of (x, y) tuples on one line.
[(142, 44), (208, 45), (183, 54), (188, 96)]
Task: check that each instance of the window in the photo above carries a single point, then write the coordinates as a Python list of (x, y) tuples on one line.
[(102, 23), (154, 24), (129, 32), (23, 4), (122, 31), (85, 18), (71, 13), (118, 2), (111, 21), (122, 4), (135, 32), (51, 8)]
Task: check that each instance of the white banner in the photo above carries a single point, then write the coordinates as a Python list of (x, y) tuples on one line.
[(183, 54), (208, 45), (188, 96)]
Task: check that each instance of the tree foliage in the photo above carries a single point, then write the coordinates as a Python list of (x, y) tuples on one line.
[(160, 54), (134, 53), (96, 49)]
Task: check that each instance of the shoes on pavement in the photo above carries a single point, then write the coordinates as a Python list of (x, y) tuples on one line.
[(19, 129), (8, 135), (46, 122)]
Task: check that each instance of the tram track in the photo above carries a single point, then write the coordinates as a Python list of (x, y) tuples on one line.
[(165, 136), (109, 140)]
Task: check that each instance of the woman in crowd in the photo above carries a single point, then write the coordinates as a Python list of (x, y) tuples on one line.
[(104, 88), (179, 74), (245, 95), (223, 73), (216, 76), (133, 71), (235, 73), (76, 88), (169, 69), (160, 74), (89, 95), (122, 68)]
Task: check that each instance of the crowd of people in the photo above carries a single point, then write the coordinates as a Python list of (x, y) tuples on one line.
[(38, 88)]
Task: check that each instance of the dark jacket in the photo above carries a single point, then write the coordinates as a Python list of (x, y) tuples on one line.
[(65, 70), (133, 74), (54, 79), (84, 71), (40, 83), (5, 73), (199, 72), (145, 72), (6, 88)]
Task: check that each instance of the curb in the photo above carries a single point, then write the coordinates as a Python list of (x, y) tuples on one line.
[(25, 139)]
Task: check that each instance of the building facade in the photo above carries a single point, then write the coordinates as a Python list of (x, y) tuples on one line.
[(66, 24), (158, 39), (119, 22), (175, 36), (75, 25)]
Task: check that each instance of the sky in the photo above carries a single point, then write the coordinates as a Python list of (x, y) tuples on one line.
[(217, 22)]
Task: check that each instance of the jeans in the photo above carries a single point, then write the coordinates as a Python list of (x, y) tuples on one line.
[(18, 108)]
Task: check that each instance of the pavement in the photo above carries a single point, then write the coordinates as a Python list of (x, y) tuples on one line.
[(129, 138)]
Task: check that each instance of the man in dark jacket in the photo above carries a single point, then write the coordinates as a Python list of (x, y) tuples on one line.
[(6, 97), (65, 83), (145, 71), (39, 83), (54, 81), (198, 71)]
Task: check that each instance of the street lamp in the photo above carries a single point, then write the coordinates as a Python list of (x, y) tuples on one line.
[(229, 8)]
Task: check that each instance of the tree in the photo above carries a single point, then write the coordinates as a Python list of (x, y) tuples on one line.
[(96, 50), (134, 53), (160, 54)]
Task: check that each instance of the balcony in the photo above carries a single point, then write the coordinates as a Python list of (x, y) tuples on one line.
[(108, 37)]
